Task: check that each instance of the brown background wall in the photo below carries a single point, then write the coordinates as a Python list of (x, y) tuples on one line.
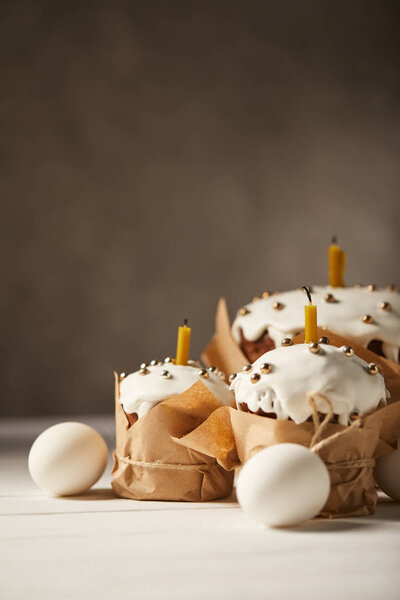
[(156, 155)]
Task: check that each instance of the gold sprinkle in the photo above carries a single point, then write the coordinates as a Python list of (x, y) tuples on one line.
[(232, 377), (314, 348), (373, 369), (256, 298), (255, 377), (266, 368), (372, 287), (323, 340), (392, 288), (329, 298), (278, 306), (385, 306), (348, 350), (243, 311), (203, 373), (266, 294), (368, 319), (144, 371), (212, 369), (286, 342), (247, 369)]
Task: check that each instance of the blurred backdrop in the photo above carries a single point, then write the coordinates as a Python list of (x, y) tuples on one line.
[(157, 155)]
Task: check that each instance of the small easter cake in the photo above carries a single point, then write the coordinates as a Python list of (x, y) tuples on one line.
[(281, 383), (159, 380), (369, 316)]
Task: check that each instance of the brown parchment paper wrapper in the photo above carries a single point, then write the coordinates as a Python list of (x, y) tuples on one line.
[(232, 436), (149, 465)]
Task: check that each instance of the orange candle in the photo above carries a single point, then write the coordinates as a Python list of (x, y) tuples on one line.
[(337, 264), (310, 316), (183, 344)]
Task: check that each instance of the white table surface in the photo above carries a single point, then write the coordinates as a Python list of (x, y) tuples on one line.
[(98, 546)]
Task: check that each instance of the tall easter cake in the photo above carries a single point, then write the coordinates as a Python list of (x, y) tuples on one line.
[(369, 316)]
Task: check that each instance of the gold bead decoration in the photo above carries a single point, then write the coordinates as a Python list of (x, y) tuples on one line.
[(212, 369), (256, 298), (392, 288), (314, 348), (357, 285), (354, 415), (266, 368), (348, 351), (165, 374), (122, 376), (203, 373), (368, 319), (168, 359), (330, 298), (373, 369), (221, 375), (144, 371), (244, 311), (372, 287), (385, 306), (255, 377), (232, 377), (154, 363), (323, 340), (144, 365), (278, 306), (286, 342), (247, 369), (266, 294)]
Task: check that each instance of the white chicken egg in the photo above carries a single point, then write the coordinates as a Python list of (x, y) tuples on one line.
[(283, 485), (387, 473), (67, 459)]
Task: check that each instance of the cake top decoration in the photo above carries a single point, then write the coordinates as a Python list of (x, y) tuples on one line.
[(282, 381), (157, 381), (361, 313)]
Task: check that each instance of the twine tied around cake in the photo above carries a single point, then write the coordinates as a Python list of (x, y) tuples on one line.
[(320, 427), (201, 467)]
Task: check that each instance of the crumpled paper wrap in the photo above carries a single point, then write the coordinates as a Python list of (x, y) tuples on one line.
[(149, 465), (232, 436)]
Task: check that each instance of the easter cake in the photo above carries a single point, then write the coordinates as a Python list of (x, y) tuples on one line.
[(157, 381), (280, 384), (368, 316)]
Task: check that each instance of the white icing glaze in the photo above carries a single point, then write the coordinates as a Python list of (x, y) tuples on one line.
[(139, 393), (343, 317), (296, 373)]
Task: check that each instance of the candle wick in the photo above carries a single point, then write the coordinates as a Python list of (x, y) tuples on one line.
[(334, 239), (185, 322), (307, 290)]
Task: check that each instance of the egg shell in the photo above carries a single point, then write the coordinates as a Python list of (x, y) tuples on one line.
[(283, 485), (387, 473), (67, 459)]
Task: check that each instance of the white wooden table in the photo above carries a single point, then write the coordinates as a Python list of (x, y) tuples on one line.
[(98, 546)]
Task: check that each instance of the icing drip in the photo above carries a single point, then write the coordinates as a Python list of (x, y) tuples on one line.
[(296, 373), (343, 316), (139, 393)]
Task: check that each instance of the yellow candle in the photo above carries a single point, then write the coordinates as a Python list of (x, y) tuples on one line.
[(183, 344), (310, 315), (337, 264)]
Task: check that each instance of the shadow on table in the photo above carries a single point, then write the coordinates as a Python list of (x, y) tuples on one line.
[(95, 494), (387, 510)]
